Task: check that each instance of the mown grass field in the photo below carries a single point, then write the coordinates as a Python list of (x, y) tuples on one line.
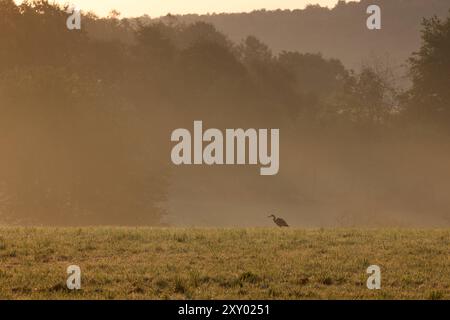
[(165, 263)]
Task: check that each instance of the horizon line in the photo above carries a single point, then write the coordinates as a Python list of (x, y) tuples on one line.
[(98, 14)]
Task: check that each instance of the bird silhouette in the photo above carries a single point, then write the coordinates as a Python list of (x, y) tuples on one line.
[(279, 221)]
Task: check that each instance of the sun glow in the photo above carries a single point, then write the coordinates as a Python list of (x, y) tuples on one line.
[(155, 8)]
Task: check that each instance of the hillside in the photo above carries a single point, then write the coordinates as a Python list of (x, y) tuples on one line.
[(339, 32)]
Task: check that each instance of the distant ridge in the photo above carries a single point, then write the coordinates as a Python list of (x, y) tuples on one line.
[(339, 32)]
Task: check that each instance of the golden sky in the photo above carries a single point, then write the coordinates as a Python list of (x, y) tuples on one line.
[(156, 8)]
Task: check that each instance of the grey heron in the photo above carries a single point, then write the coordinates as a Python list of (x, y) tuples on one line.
[(279, 221)]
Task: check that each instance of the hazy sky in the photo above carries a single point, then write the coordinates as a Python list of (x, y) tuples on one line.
[(161, 7)]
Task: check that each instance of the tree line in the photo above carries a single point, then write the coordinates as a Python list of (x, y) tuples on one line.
[(86, 114)]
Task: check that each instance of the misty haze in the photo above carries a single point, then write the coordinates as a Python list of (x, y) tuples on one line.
[(86, 116), (264, 155)]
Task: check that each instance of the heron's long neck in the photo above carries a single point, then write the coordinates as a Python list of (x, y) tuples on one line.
[(274, 218)]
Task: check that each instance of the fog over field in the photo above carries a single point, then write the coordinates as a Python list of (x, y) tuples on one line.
[(86, 116)]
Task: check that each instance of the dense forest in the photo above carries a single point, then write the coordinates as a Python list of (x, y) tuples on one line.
[(86, 117)]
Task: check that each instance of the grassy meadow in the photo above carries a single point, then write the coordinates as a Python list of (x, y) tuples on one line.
[(266, 263)]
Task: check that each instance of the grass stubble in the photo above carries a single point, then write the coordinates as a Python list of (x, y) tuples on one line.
[(259, 263)]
